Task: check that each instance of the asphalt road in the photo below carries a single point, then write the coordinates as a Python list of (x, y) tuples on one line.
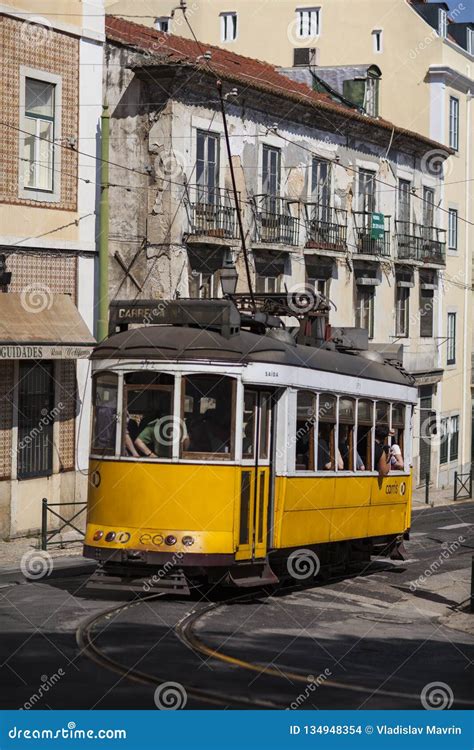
[(376, 638)]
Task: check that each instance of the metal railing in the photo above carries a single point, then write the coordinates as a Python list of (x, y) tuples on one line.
[(326, 227), (47, 536), (416, 242), (462, 484), (274, 220), (367, 242), (212, 212)]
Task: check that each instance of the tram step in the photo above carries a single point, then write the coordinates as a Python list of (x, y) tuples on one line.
[(248, 576), (175, 583)]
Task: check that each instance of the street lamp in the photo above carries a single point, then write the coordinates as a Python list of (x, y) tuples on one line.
[(229, 278)]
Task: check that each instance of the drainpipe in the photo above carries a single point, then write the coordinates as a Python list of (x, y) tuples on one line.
[(103, 317), (467, 341)]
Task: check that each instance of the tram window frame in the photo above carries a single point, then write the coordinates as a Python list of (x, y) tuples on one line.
[(325, 420), (209, 455), (313, 420), (164, 387), (351, 423), (369, 436), (96, 450), (398, 426)]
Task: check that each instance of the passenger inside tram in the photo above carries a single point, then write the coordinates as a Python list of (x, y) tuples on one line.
[(326, 459), (208, 409)]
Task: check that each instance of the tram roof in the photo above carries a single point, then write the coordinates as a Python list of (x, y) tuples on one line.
[(168, 343)]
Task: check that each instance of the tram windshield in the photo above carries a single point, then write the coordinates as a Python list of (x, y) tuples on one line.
[(149, 426), (208, 407)]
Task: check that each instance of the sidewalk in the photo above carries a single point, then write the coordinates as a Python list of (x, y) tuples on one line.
[(437, 497), (21, 559)]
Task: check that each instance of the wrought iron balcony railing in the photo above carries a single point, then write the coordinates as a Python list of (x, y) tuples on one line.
[(212, 212), (416, 242), (274, 222), (326, 227), (371, 240)]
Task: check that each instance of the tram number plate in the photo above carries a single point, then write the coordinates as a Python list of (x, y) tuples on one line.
[(272, 374)]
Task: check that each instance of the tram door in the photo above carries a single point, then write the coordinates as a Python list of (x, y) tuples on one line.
[(255, 476)]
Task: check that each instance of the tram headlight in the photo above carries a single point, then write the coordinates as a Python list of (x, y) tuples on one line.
[(170, 540), (110, 536), (188, 541), (98, 536)]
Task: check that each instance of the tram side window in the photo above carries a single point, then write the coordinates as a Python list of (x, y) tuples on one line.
[(105, 413), (346, 434), (364, 433), (149, 427), (398, 426), (327, 454), (305, 419), (208, 413)]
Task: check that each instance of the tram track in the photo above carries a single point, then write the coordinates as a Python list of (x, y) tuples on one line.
[(185, 631), (86, 642)]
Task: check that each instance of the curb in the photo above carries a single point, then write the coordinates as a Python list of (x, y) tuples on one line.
[(62, 567)]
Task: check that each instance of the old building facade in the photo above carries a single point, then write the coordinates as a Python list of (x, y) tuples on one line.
[(51, 105), (326, 195)]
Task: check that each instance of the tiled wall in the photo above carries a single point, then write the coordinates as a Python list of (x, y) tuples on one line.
[(21, 43)]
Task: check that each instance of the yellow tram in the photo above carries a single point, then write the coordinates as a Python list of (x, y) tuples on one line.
[(221, 447)]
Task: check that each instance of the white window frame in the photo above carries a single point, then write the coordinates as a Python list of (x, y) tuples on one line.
[(454, 122), (45, 196), (442, 23), (452, 229), (451, 334), (377, 41), (229, 23), (306, 19), (266, 283), (402, 312), (449, 426), (470, 41), (160, 20), (214, 284)]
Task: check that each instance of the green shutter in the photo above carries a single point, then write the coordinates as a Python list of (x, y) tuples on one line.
[(355, 91)]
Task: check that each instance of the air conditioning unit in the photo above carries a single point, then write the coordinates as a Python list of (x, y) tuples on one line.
[(304, 57)]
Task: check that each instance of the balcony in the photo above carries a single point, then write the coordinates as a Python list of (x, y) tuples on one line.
[(326, 227), (424, 244), (212, 212), (370, 239), (274, 223)]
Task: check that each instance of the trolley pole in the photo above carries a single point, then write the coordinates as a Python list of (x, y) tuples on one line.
[(103, 317)]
